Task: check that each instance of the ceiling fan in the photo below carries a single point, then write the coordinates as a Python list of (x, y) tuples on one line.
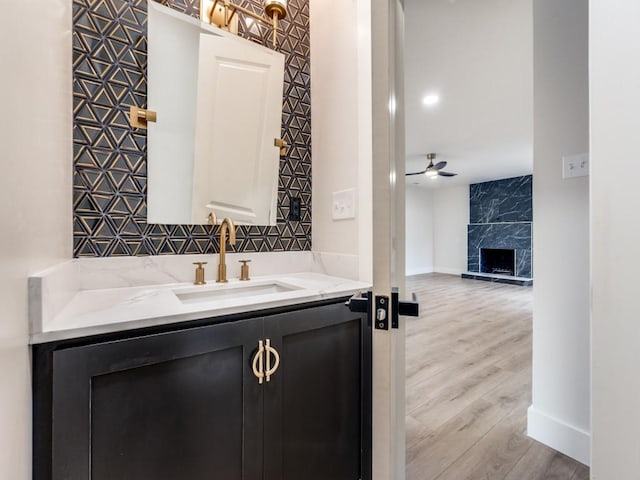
[(434, 171)]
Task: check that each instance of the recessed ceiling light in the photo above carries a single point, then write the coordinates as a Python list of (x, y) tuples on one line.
[(431, 100)]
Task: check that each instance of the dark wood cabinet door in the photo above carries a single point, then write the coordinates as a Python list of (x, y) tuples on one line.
[(317, 404), (182, 405)]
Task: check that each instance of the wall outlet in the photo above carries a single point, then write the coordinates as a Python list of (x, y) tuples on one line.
[(575, 166), (295, 209), (344, 205)]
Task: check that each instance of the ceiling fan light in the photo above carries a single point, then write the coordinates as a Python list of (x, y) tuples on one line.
[(431, 173)]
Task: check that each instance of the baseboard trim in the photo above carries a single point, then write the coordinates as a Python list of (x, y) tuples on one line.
[(418, 271), (448, 271), (560, 436)]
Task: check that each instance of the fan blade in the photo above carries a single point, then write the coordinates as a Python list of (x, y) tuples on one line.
[(440, 165), (447, 174), (415, 173)]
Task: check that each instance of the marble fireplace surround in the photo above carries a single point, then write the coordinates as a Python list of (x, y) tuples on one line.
[(512, 236), (501, 216)]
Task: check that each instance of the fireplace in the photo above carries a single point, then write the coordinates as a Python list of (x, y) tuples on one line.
[(499, 234), (498, 261)]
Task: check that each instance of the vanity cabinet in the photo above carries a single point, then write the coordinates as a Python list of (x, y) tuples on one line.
[(186, 404)]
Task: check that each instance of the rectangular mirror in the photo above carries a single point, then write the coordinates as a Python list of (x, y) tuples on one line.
[(218, 99)]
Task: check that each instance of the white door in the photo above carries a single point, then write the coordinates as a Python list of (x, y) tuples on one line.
[(239, 113), (387, 17)]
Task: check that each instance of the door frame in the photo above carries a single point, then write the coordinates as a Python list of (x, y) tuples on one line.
[(388, 168)]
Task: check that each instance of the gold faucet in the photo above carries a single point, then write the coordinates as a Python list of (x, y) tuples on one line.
[(226, 225)]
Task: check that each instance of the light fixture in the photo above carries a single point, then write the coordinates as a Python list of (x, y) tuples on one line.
[(222, 13), (431, 100), (431, 174)]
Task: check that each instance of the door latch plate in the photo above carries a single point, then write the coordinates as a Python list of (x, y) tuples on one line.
[(381, 313)]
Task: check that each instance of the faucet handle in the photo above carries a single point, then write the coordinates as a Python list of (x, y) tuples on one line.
[(244, 270), (199, 273)]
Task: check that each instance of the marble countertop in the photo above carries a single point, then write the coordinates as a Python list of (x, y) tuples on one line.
[(105, 310)]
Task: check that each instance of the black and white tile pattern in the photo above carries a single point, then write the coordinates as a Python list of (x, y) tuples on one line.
[(110, 176)]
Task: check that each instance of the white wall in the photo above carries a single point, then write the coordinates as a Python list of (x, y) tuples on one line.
[(35, 194), (560, 413), (450, 221), (341, 133), (436, 230), (419, 230), (615, 169)]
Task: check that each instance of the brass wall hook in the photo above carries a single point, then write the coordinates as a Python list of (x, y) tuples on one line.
[(282, 144), (139, 117)]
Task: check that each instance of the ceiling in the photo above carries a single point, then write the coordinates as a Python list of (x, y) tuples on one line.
[(477, 57)]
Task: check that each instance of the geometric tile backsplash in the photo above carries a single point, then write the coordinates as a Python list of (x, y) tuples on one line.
[(110, 176)]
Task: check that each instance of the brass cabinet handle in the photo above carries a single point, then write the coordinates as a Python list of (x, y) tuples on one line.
[(257, 364), (271, 370)]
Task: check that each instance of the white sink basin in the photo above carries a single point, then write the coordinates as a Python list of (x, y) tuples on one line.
[(231, 291)]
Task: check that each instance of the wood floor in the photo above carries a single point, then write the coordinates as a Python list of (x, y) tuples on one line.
[(469, 385)]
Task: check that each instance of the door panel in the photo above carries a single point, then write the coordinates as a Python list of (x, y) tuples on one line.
[(177, 405), (316, 404), (134, 435)]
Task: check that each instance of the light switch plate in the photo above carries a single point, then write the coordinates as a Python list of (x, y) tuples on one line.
[(575, 166), (344, 205)]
